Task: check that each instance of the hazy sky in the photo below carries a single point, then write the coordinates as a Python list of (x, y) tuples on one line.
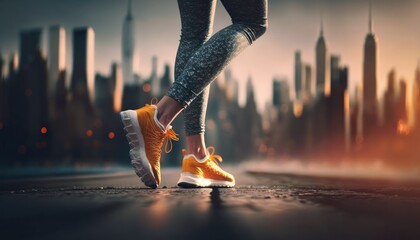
[(293, 24)]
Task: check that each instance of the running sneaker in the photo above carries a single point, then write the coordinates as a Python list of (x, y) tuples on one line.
[(204, 172), (146, 135)]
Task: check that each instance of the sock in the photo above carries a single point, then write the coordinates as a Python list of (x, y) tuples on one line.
[(157, 121)]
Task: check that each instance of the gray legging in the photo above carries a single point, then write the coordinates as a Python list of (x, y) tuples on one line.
[(200, 59)]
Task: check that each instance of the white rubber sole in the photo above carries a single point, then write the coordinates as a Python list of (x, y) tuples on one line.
[(137, 152), (188, 180)]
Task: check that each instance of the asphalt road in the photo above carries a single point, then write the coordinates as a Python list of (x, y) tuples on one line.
[(262, 206)]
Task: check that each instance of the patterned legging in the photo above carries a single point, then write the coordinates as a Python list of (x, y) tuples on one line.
[(200, 59)]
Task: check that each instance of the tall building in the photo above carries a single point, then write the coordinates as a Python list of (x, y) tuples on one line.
[(166, 81), (389, 107), (108, 91), (82, 96), (250, 98), (276, 93), (323, 81), (154, 80), (30, 46), (82, 81), (338, 108), (370, 61), (128, 47), (402, 102), (117, 82), (307, 78), (252, 120), (104, 94), (335, 69), (231, 85), (56, 56), (2, 67), (3, 95), (416, 99), (299, 84), (29, 101), (281, 94)]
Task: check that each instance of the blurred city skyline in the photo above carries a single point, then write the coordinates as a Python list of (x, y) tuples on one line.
[(293, 25)]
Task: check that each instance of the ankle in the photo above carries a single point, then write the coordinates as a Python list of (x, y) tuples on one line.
[(168, 109), (163, 119), (198, 153)]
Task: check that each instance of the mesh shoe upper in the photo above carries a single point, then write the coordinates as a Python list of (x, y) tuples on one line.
[(207, 168), (154, 137)]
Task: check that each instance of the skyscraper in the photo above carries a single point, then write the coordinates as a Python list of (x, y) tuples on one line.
[(154, 80), (128, 47), (3, 96), (276, 93), (299, 84), (402, 102), (29, 109), (389, 108), (250, 98), (335, 69), (323, 81), (307, 78), (2, 67), (82, 82), (56, 56), (416, 96), (281, 95), (104, 95), (117, 81), (166, 81), (231, 86), (370, 60)]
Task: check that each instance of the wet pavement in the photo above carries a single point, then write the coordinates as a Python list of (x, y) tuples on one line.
[(262, 206)]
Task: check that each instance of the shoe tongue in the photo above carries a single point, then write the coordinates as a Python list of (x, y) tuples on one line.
[(184, 152)]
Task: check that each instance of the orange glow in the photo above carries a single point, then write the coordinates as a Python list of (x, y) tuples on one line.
[(89, 133), (146, 87), (158, 212), (111, 135), (403, 128), (44, 130), (297, 109)]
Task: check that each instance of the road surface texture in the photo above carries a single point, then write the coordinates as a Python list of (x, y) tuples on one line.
[(262, 206)]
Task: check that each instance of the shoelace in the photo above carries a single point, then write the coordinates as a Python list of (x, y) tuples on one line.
[(169, 136), (215, 158), (166, 137)]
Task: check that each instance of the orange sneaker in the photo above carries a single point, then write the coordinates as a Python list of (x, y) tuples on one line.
[(145, 136), (204, 172)]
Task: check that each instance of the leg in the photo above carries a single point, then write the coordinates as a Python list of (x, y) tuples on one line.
[(197, 21), (249, 19)]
